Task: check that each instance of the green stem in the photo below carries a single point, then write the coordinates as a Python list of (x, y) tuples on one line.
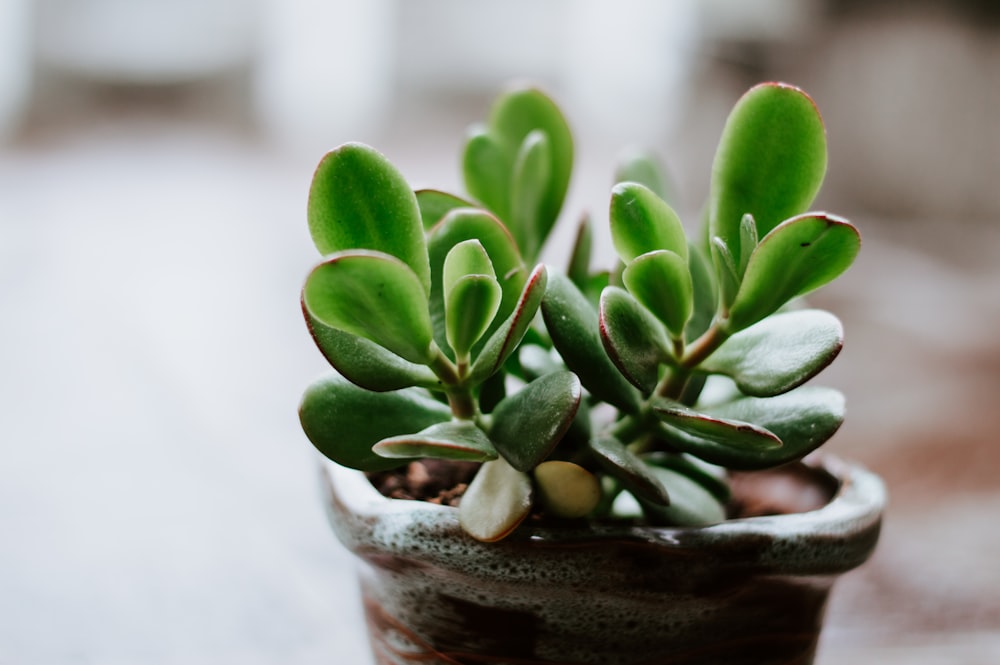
[(460, 398)]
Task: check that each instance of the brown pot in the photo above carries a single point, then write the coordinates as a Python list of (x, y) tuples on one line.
[(745, 592)]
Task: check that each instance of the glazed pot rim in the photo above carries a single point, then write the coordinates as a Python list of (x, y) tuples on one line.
[(834, 538)]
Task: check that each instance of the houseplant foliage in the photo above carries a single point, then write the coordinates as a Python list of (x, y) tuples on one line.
[(625, 394)]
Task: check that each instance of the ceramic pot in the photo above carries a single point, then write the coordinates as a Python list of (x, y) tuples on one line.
[(748, 591)]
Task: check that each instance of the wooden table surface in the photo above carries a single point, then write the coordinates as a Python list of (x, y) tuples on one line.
[(159, 505)]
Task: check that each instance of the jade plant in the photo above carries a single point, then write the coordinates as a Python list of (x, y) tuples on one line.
[(626, 394)]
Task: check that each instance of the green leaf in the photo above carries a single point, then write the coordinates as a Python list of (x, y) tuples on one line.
[(344, 421), (365, 363), (636, 476), (770, 162), (488, 167), (644, 168), (704, 292), (496, 502), (691, 504), (661, 280), (464, 224), (566, 490), (435, 204), (642, 222), (375, 296), (528, 424), (803, 419), (727, 273), (532, 173), (633, 338), (358, 200), (801, 254), (713, 478), (466, 258), (453, 440), (737, 433), (470, 307), (579, 259), (779, 353), (506, 338), (518, 113), (573, 324)]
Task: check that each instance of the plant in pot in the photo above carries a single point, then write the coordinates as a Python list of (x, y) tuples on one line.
[(543, 466)]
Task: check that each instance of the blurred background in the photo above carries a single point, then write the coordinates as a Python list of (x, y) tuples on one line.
[(158, 502)]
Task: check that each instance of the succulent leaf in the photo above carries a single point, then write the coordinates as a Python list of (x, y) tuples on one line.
[(435, 204), (643, 168), (710, 476), (453, 440), (344, 421), (779, 353), (704, 292), (532, 173), (575, 329), (799, 255), (364, 362), (803, 419), (496, 502), (642, 222), (460, 225), (770, 162), (727, 431), (359, 200), (661, 281), (505, 339), (488, 168), (528, 424), (580, 254), (375, 296), (633, 338), (691, 504), (566, 489), (634, 474), (470, 307)]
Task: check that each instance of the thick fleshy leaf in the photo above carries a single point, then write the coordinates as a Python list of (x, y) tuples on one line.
[(464, 224), (364, 362), (579, 258), (801, 254), (642, 222), (803, 419), (779, 353), (344, 421), (574, 327), (710, 476), (496, 502), (738, 433), (359, 200), (704, 291), (691, 504), (435, 204), (661, 280), (518, 113), (566, 489), (644, 168), (770, 162), (528, 424), (488, 167), (375, 296), (636, 476), (470, 307), (466, 258), (529, 186), (453, 440), (506, 338), (633, 338)]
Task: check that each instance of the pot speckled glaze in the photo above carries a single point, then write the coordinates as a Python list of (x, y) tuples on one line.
[(747, 591)]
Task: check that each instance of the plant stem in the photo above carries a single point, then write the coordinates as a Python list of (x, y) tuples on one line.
[(460, 399)]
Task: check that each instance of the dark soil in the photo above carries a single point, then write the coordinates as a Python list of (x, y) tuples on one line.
[(434, 481)]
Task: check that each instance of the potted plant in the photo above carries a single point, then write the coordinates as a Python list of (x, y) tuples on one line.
[(539, 466)]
